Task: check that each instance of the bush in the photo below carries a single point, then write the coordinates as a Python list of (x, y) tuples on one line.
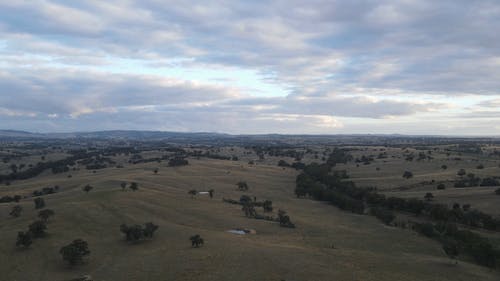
[(74, 252)]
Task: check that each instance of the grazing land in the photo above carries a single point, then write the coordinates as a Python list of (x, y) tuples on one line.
[(321, 242)]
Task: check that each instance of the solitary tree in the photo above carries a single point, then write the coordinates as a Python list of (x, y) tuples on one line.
[(24, 239), (134, 186), (74, 252), (16, 211), (196, 241), (123, 185), (87, 188), (39, 203), (44, 215), (242, 185)]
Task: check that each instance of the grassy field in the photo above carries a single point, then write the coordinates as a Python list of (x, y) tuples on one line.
[(328, 244)]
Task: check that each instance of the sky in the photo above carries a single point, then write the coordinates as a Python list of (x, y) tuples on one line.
[(419, 67)]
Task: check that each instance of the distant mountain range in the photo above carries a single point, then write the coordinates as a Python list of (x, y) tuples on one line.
[(220, 138)]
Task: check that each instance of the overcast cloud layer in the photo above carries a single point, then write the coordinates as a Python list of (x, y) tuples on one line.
[(415, 67)]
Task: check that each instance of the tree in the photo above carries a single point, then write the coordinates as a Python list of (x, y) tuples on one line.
[(87, 188), (480, 167), (74, 252), (441, 186), (242, 185), (24, 239), (37, 229), (444, 167), (134, 186), (156, 171), (16, 211), (497, 191), (428, 196), (407, 174), (123, 185), (196, 241), (461, 172), (39, 203), (211, 193), (44, 215), (192, 192)]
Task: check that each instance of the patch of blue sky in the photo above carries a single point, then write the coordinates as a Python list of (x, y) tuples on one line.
[(250, 81)]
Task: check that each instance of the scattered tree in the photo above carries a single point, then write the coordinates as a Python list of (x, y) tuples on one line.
[(136, 232), (441, 186), (39, 203), (37, 229), (451, 249), (242, 185), (284, 219), (497, 191), (134, 186), (428, 196), (196, 241), (407, 174), (44, 215), (16, 211), (444, 167), (123, 185), (74, 252), (461, 172), (156, 171), (24, 239), (268, 206), (192, 192), (87, 188)]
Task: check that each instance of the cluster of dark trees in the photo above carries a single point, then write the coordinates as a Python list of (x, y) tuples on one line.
[(320, 182), (456, 241), (471, 180), (45, 191), (35, 230), (177, 161), (8, 198), (137, 232)]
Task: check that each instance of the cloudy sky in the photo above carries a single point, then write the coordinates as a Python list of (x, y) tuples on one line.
[(314, 67)]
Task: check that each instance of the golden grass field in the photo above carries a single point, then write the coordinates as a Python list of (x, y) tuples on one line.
[(363, 248)]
